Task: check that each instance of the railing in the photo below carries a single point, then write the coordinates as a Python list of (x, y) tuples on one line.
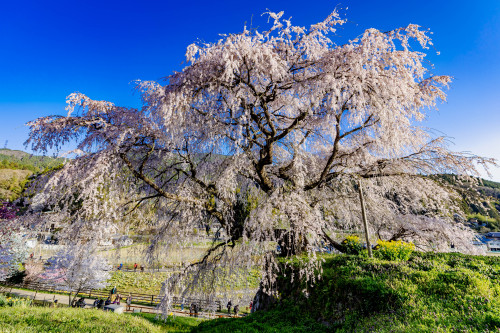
[(137, 298)]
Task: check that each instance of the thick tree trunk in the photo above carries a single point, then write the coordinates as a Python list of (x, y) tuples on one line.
[(262, 301)]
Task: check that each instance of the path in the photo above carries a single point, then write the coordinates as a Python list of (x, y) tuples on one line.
[(64, 299)]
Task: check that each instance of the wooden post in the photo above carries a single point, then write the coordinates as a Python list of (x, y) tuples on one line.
[(365, 223)]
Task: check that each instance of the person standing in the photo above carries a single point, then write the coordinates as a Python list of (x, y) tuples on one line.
[(236, 309), (191, 310), (135, 267), (129, 302), (229, 304)]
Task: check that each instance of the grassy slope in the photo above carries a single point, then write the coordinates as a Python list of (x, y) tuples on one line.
[(67, 320), (150, 283), (429, 293)]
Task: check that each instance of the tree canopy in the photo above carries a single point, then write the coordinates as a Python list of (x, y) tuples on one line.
[(261, 136)]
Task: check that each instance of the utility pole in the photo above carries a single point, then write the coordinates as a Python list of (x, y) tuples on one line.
[(365, 223)]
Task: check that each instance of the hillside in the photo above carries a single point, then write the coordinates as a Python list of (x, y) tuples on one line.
[(480, 200), (15, 168), (428, 293), (20, 160), (12, 183)]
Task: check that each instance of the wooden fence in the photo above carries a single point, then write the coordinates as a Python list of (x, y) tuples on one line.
[(145, 299)]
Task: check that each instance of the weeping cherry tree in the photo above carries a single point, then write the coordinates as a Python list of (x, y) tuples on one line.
[(262, 137)]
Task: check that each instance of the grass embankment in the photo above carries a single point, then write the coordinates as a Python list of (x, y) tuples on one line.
[(136, 282), (428, 293), (151, 282), (39, 319)]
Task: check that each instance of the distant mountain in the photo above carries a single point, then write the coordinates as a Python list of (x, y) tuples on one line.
[(20, 160), (17, 166)]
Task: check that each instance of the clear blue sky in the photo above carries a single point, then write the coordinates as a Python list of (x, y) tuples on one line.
[(52, 48)]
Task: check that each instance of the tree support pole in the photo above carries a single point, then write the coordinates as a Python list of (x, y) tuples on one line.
[(365, 223)]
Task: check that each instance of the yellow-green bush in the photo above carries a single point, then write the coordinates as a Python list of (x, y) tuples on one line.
[(352, 245), (394, 250)]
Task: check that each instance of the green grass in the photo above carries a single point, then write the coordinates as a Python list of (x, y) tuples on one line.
[(428, 293), (171, 324), (67, 320), (481, 218), (150, 283), (136, 282)]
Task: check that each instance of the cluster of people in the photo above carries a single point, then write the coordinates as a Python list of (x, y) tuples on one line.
[(135, 268), (99, 303), (78, 304), (120, 267), (113, 298), (193, 310), (236, 308)]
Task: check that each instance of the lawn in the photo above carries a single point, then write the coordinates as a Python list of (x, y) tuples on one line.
[(66, 320)]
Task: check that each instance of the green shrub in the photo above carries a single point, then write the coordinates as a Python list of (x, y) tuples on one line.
[(394, 250)]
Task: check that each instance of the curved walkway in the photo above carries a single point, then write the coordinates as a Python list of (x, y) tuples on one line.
[(64, 299)]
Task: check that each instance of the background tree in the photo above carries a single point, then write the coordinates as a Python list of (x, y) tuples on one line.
[(13, 249), (77, 267), (261, 136)]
